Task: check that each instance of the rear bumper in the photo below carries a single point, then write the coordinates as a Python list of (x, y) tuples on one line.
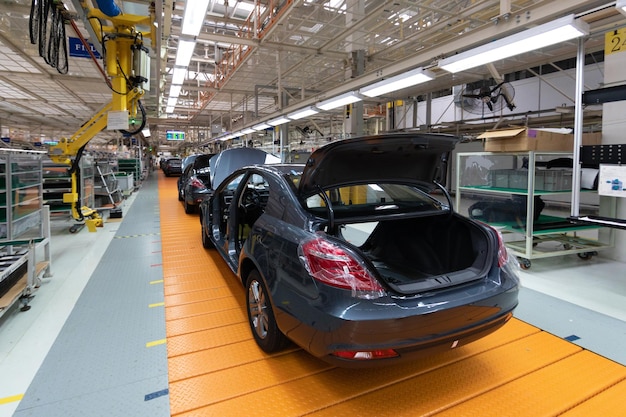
[(411, 335)]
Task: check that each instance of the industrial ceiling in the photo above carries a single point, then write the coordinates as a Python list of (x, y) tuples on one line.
[(256, 59)]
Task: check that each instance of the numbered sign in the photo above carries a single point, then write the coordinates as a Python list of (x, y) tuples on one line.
[(615, 41)]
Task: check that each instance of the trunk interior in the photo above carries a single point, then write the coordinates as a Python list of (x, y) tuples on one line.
[(423, 253)]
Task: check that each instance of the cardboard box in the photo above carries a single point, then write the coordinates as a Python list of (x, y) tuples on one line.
[(525, 139)]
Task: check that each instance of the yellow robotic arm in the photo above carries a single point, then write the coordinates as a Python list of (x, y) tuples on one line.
[(124, 53)]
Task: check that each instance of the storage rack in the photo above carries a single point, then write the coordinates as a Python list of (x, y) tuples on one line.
[(57, 181), (132, 166), (24, 227), (562, 234)]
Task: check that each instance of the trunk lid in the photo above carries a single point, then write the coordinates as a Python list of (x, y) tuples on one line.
[(226, 162), (411, 157)]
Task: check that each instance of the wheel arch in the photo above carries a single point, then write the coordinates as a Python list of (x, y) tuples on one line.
[(246, 265)]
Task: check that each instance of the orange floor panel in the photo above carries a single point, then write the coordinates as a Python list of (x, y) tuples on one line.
[(216, 369)]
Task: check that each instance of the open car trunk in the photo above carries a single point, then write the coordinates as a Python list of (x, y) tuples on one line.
[(427, 253)]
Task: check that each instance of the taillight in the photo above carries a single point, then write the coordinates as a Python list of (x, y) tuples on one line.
[(335, 266), (503, 256), (366, 354), (196, 183)]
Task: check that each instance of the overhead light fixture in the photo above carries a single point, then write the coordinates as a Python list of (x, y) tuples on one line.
[(175, 90), (184, 52), (278, 121), (248, 130), (620, 5), (169, 109), (341, 100), (398, 82), (261, 126), (559, 30), (145, 132), (193, 17), (302, 113), (178, 77), (171, 102)]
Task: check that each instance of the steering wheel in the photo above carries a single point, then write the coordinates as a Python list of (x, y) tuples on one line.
[(250, 199)]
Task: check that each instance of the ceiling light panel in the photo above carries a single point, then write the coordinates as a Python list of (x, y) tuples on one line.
[(178, 77), (340, 100), (621, 6), (302, 113), (278, 121), (398, 82), (184, 52), (193, 17), (557, 31)]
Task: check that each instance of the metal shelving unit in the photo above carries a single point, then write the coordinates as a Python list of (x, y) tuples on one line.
[(24, 227), (57, 181), (528, 238)]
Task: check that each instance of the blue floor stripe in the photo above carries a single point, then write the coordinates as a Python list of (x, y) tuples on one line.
[(157, 394), (572, 338)]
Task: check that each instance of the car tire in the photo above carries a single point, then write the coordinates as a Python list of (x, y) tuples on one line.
[(189, 208), (261, 316), (180, 195), (206, 241)]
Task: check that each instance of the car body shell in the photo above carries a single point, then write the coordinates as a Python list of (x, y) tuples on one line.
[(172, 166), (194, 183), (324, 319)]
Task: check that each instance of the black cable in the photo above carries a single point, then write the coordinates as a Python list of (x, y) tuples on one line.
[(58, 42), (75, 168), (47, 29), (143, 120)]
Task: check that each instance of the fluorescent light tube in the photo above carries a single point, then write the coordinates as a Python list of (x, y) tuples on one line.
[(398, 82), (175, 90), (248, 130), (278, 121), (620, 5), (193, 18), (184, 52), (302, 113), (178, 77), (341, 100), (261, 126), (171, 102), (559, 30), (169, 109)]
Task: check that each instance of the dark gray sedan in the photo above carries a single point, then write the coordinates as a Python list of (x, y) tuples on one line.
[(352, 258)]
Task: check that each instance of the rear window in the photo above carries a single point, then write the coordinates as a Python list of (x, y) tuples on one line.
[(373, 199)]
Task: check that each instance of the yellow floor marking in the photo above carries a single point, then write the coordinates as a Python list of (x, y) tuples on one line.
[(161, 304), (155, 343), (11, 399), (157, 281)]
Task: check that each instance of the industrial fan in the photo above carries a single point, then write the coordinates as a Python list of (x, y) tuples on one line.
[(479, 99)]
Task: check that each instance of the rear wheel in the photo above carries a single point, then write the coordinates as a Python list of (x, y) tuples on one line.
[(189, 208), (206, 242), (261, 316)]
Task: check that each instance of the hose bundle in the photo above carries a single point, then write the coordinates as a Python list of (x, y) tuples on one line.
[(47, 29)]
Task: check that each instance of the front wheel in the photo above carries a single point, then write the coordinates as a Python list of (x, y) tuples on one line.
[(261, 316)]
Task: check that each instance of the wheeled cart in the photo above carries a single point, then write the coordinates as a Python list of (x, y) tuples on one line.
[(509, 178)]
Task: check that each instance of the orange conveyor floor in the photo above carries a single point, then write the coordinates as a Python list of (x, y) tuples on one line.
[(216, 369)]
